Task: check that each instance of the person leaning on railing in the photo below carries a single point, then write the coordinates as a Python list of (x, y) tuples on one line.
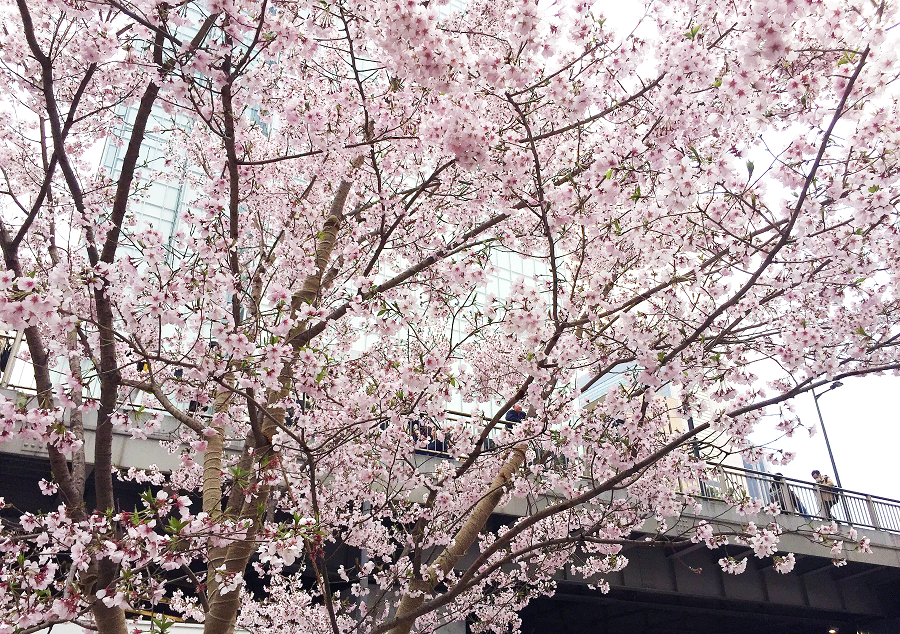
[(514, 415), (827, 494), (777, 491)]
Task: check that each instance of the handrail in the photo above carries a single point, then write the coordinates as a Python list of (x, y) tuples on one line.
[(795, 497), (798, 481), (806, 499)]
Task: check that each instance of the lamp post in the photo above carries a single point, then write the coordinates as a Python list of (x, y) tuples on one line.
[(837, 477), (833, 386)]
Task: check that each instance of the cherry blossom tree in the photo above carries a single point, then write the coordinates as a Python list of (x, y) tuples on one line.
[(719, 196)]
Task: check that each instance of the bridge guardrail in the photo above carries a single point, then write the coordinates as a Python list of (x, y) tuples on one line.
[(806, 499), (795, 497)]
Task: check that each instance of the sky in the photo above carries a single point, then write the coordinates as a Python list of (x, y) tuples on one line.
[(862, 417)]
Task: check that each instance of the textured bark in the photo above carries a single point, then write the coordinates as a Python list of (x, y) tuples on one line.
[(462, 541), (310, 291), (109, 619), (212, 483), (245, 463), (223, 608), (212, 457), (212, 473), (76, 424)]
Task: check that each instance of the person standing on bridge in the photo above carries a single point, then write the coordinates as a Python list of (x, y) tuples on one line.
[(826, 492), (777, 492), (515, 415)]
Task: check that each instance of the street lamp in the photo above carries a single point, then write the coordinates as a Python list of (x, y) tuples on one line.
[(837, 477), (833, 386)]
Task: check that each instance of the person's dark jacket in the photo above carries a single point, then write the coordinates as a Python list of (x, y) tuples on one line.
[(515, 416)]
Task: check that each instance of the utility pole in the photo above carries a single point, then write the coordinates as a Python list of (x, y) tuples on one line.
[(837, 476)]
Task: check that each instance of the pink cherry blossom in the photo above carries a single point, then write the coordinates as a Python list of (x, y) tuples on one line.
[(318, 251)]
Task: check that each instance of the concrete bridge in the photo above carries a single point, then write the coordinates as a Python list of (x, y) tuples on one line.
[(682, 589), (678, 589)]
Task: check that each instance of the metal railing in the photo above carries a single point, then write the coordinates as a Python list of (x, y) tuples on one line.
[(805, 499), (795, 497), (433, 440), (732, 484)]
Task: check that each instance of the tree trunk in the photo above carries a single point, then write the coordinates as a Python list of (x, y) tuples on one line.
[(223, 608), (462, 541), (212, 484), (109, 620)]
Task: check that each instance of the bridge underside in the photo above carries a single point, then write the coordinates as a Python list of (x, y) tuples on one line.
[(677, 590), (684, 591), (578, 610)]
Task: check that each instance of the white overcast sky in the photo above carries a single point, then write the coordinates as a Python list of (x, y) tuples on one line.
[(862, 419)]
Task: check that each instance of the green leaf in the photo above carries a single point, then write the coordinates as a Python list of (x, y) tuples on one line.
[(175, 525)]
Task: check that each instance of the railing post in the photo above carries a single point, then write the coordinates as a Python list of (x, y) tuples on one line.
[(786, 497), (846, 508), (871, 504), (723, 481), (823, 512)]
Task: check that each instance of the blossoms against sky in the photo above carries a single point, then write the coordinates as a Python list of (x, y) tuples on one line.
[(352, 172)]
